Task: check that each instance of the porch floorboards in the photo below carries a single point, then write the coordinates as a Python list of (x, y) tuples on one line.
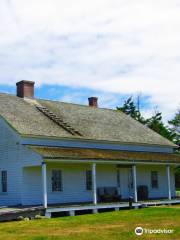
[(72, 208)]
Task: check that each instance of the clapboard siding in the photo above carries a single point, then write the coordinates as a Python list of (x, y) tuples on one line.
[(74, 182), (9, 162), (32, 187), (144, 178), (74, 188), (13, 157)]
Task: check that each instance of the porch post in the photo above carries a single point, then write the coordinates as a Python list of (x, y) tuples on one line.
[(134, 182), (44, 184), (94, 183), (168, 181)]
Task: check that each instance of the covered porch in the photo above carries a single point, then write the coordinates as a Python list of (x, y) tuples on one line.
[(120, 172), (108, 183)]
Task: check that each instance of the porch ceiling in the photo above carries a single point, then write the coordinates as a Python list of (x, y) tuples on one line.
[(105, 155)]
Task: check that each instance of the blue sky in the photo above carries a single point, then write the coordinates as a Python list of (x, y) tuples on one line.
[(81, 95), (111, 49)]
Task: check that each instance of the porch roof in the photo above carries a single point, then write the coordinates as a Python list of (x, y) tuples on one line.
[(58, 153)]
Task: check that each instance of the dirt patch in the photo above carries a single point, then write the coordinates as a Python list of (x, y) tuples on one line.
[(75, 230)]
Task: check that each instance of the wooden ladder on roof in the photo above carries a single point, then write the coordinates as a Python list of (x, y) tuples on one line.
[(58, 120)]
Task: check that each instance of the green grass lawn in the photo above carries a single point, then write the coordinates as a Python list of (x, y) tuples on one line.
[(102, 226)]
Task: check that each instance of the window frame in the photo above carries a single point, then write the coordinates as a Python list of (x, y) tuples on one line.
[(89, 182), (4, 181), (56, 181), (154, 182)]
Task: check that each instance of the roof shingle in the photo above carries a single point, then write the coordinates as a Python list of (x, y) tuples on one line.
[(93, 123)]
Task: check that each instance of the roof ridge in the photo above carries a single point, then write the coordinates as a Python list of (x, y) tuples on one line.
[(77, 104)]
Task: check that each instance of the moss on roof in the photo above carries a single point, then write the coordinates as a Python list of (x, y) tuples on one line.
[(99, 154), (26, 119), (93, 123)]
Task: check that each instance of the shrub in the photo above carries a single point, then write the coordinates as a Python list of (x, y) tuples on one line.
[(20, 218), (39, 217)]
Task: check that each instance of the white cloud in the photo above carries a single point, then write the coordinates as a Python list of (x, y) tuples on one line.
[(117, 46)]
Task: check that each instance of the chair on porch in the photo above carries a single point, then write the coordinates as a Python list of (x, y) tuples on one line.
[(142, 192), (108, 194)]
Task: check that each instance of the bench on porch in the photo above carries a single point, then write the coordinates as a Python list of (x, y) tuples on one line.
[(108, 194)]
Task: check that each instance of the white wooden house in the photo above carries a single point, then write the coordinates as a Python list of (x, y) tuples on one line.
[(55, 153)]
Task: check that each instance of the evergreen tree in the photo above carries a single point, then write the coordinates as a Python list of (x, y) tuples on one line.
[(175, 127), (130, 109), (155, 123)]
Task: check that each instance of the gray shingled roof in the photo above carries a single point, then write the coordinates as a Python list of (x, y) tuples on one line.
[(26, 119), (92, 123)]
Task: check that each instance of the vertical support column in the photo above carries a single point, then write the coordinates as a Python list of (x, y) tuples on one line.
[(168, 181), (72, 213), (44, 184), (134, 182), (94, 183)]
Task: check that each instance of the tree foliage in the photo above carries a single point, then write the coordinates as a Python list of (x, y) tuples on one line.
[(130, 109), (155, 122), (175, 127)]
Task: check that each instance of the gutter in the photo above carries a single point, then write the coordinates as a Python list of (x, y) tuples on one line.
[(123, 162)]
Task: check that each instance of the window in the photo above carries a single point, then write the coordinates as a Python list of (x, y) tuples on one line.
[(154, 179), (118, 178), (56, 181), (4, 181), (88, 180)]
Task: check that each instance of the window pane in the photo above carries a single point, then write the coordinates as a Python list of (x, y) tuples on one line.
[(154, 179), (88, 180), (4, 181), (56, 181)]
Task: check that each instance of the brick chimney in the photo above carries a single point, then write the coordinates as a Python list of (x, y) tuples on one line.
[(93, 101), (25, 89)]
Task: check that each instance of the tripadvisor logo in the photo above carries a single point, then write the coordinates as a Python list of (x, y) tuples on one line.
[(139, 231)]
